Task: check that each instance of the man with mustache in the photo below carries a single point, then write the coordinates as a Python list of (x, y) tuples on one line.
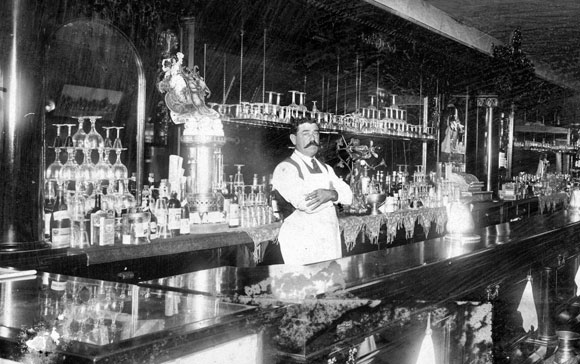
[(310, 232)]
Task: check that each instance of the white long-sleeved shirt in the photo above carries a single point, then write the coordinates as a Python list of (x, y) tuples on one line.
[(286, 180)]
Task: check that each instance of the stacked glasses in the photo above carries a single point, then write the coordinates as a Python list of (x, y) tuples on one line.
[(83, 183)]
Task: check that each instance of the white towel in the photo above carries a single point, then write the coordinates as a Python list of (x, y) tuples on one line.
[(527, 308)]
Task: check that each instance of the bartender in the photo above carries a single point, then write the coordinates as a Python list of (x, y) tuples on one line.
[(310, 233)]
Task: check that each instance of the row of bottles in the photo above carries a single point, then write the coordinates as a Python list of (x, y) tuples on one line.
[(87, 217), (249, 205)]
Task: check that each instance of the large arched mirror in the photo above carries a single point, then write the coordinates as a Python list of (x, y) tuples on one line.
[(92, 70)]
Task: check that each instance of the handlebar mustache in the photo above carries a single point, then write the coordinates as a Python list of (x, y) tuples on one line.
[(312, 142)]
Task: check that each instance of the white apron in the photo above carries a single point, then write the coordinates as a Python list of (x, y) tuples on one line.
[(311, 237)]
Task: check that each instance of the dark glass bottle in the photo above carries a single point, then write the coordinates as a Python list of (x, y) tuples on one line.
[(174, 215)]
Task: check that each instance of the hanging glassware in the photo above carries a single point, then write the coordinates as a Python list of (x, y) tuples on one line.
[(93, 139), (79, 137)]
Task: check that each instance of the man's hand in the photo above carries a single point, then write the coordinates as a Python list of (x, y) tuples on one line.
[(320, 196)]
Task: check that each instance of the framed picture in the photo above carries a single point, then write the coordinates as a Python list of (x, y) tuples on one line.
[(87, 101)]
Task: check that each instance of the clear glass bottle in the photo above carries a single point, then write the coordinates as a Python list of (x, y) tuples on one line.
[(60, 224), (161, 216)]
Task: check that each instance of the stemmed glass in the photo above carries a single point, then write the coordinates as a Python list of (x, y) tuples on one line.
[(69, 169), (119, 169), (54, 169), (93, 139), (58, 142), (86, 171), (68, 141), (79, 137), (103, 169), (117, 143), (293, 105), (108, 142)]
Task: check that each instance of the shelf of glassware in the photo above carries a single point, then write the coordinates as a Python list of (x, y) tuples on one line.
[(555, 144), (387, 123), (81, 183)]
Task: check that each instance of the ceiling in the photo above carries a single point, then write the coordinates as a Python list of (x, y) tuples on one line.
[(428, 46), (550, 29)]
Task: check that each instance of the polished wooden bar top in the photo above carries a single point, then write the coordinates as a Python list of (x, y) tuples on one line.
[(432, 269)]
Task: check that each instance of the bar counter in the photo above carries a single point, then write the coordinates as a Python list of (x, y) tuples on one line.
[(163, 319)]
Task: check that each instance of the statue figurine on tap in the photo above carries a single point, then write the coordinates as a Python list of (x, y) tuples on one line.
[(185, 93)]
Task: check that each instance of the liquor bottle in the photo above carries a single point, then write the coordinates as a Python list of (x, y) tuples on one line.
[(174, 215), (94, 216), (161, 215), (60, 223), (184, 228), (234, 213), (49, 205)]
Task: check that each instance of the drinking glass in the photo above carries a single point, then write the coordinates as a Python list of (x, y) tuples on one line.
[(293, 105), (79, 137), (108, 142), (117, 144), (103, 169), (54, 169), (69, 169), (68, 142), (58, 141), (93, 139), (119, 169), (86, 171)]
